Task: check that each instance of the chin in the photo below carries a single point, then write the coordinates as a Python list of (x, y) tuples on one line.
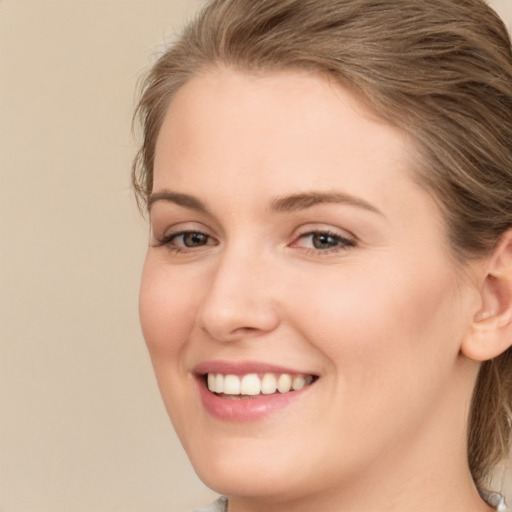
[(236, 468), (251, 481), (257, 469), (244, 482)]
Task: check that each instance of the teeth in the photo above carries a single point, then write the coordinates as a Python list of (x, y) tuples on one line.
[(232, 385), (268, 384), (251, 384), (211, 381), (298, 382), (284, 383), (219, 383)]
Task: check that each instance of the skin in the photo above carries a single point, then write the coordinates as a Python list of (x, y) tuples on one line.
[(380, 319)]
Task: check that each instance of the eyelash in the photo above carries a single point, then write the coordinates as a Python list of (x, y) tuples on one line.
[(341, 243), (168, 241)]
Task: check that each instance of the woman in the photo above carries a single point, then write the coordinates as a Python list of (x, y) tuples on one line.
[(327, 293)]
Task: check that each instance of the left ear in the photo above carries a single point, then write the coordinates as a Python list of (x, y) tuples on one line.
[(491, 330)]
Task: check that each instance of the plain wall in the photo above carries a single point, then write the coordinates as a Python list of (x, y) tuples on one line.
[(82, 427)]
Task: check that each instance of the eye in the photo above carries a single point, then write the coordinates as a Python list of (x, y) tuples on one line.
[(191, 239), (323, 241), (185, 240)]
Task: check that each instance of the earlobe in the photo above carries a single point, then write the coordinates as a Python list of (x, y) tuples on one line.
[(491, 330)]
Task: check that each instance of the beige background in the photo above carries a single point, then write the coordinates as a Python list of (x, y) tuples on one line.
[(82, 427)]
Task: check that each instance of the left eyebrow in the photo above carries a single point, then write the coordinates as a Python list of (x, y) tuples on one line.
[(303, 201), (184, 200)]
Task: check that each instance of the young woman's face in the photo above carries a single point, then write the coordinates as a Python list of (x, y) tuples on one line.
[(290, 243)]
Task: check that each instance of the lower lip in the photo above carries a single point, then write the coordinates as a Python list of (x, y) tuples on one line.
[(245, 409)]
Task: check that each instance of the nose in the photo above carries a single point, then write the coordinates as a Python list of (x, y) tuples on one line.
[(240, 302)]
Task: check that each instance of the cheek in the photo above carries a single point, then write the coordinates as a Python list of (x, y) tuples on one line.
[(166, 311), (388, 351), (382, 329)]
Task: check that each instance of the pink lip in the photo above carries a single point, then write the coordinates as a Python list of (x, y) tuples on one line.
[(242, 367), (249, 409)]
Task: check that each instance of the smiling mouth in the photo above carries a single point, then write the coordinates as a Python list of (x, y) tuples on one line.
[(252, 385)]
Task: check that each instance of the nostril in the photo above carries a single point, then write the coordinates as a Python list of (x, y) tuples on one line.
[(237, 321), (232, 335)]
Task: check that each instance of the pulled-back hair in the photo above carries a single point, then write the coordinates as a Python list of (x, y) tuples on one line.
[(440, 70)]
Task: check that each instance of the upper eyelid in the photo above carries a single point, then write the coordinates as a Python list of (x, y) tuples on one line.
[(312, 228), (348, 239), (181, 227), (181, 232)]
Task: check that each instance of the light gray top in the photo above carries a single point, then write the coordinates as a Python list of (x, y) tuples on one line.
[(221, 505)]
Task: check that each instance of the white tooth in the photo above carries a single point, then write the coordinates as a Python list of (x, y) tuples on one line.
[(231, 385), (211, 381), (219, 383), (250, 385), (298, 382), (284, 383), (268, 384)]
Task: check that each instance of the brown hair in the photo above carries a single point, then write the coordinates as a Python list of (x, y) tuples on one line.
[(441, 70)]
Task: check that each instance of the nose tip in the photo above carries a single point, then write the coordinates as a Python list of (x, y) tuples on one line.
[(228, 324), (238, 306)]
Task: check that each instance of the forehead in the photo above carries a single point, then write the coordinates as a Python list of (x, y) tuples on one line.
[(261, 126)]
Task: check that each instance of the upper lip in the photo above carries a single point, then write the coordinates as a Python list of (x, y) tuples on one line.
[(243, 368)]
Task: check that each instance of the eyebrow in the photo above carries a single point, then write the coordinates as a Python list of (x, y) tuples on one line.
[(303, 201), (291, 203), (184, 200)]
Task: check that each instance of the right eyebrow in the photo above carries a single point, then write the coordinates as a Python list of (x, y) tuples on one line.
[(184, 200), (306, 200)]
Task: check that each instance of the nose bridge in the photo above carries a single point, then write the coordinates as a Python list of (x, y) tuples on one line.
[(239, 301)]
